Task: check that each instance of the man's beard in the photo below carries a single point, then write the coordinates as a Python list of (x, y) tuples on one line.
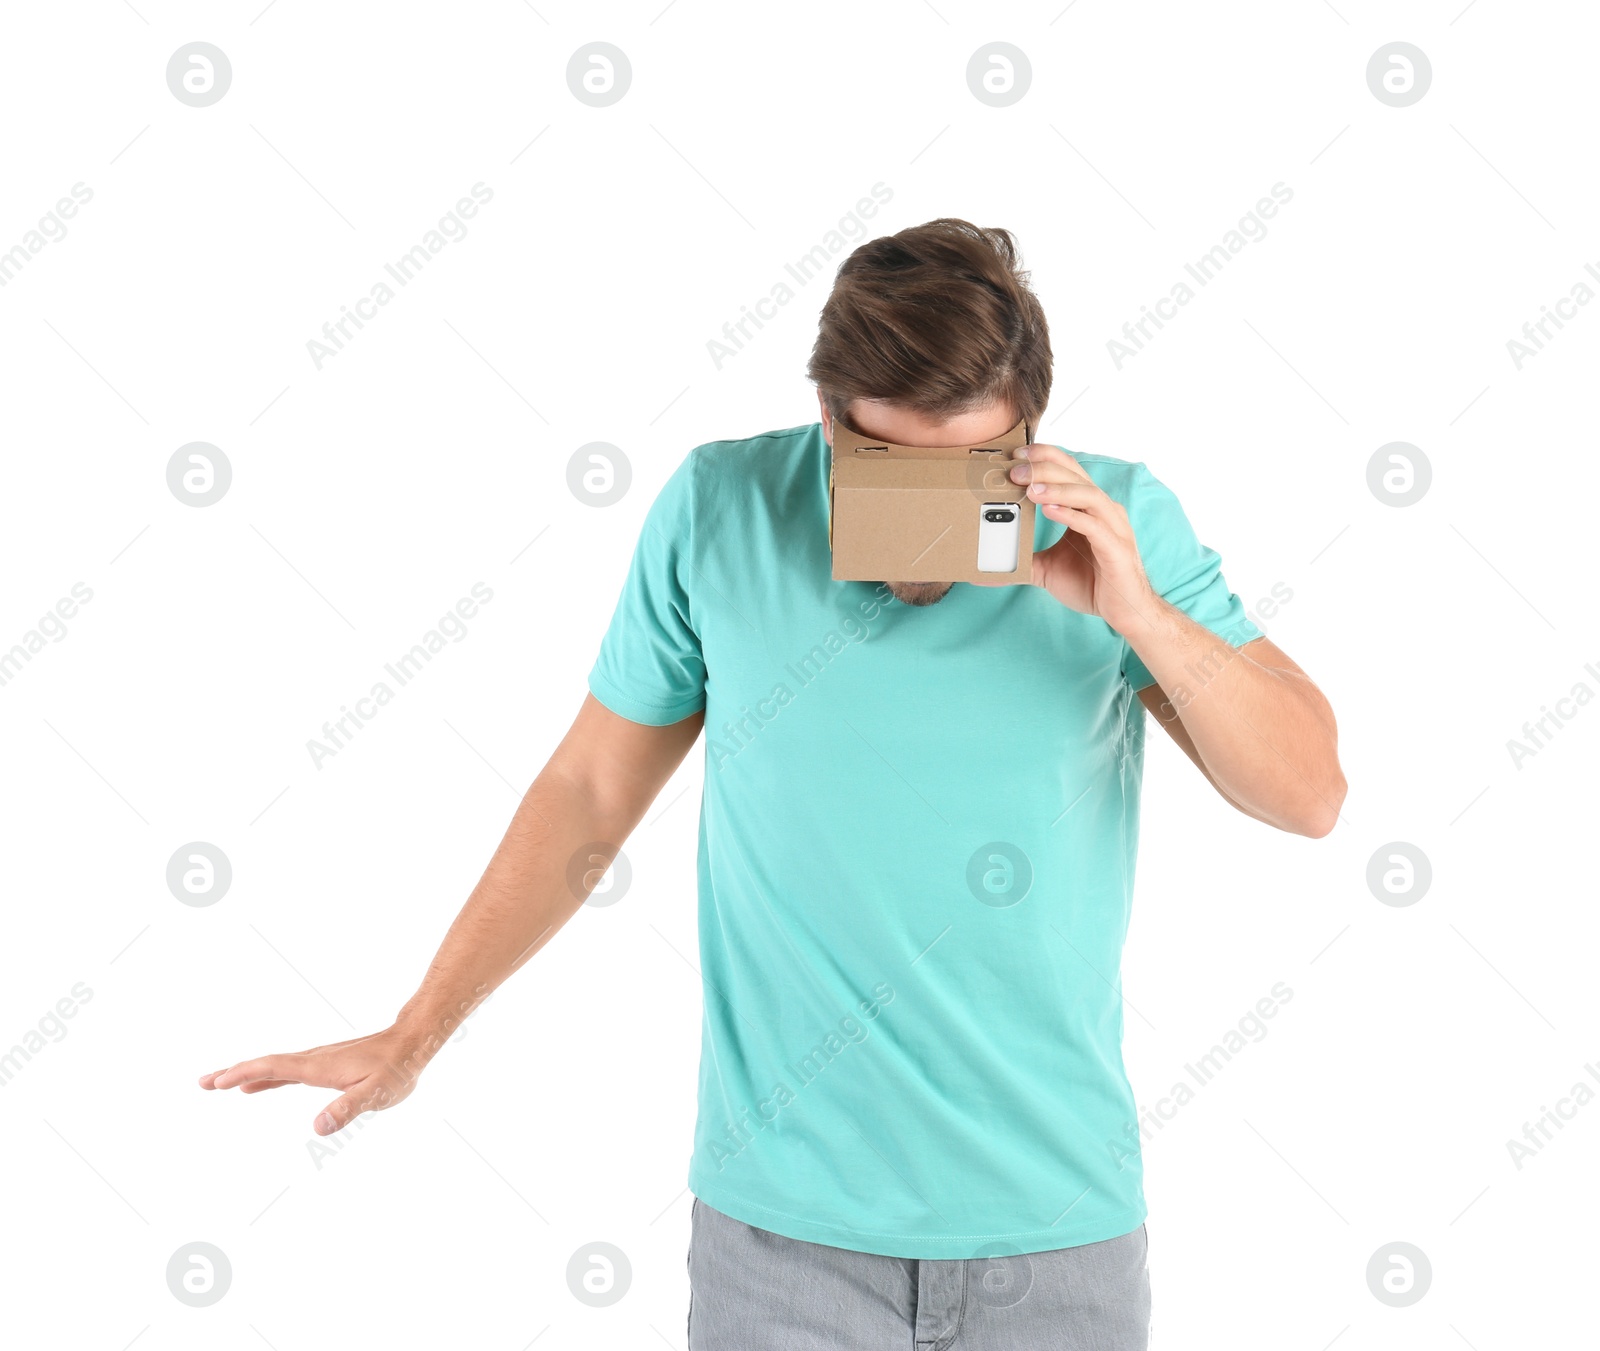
[(919, 593)]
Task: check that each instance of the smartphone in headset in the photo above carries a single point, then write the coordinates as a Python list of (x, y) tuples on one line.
[(999, 528)]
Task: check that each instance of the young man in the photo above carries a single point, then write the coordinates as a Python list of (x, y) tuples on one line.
[(917, 845)]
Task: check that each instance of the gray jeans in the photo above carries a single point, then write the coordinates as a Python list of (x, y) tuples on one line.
[(752, 1290)]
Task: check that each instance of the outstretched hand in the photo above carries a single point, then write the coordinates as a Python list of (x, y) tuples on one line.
[(370, 1072)]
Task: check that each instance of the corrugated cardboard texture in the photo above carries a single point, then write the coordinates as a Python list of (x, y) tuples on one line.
[(912, 513)]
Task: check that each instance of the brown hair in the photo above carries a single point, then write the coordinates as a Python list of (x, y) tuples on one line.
[(938, 318)]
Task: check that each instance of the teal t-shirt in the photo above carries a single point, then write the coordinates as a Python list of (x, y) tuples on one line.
[(916, 862)]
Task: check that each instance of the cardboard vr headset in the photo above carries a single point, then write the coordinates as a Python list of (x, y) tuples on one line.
[(928, 513)]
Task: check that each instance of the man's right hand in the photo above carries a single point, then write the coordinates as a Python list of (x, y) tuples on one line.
[(585, 802), (372, 1073)]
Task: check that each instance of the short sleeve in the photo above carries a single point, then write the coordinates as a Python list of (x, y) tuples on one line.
[(650, 668), (1183, 571)]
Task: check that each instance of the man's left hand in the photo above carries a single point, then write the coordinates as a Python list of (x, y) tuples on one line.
[(1094, 568)]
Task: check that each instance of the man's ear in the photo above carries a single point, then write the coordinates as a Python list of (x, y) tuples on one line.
[(827, 419)]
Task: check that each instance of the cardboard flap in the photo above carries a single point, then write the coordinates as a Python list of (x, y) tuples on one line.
[(848, 443)]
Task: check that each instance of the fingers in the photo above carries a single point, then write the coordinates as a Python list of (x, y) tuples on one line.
[(1095, 540), (1089, 499), (285, 1067), (336, 1115), (1088, 525), (1047, 462), (367, 1071), (1086, 509), (1055, 479), (1079, 522), (1088, 536), (295, 1067), (342, 1111), (1067, 493)]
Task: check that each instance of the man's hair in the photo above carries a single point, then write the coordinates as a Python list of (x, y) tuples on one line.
[(938, 318)]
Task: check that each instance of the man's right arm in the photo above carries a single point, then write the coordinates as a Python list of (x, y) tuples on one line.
[(597, 786)]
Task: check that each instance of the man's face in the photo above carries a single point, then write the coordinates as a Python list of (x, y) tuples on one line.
[(905, 427)]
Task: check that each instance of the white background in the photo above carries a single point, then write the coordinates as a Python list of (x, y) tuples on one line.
[(369, 495)]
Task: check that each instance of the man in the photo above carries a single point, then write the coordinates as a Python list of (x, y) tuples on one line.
[(917, 845)]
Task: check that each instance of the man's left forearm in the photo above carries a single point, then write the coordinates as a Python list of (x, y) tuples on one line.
[(1264, 732)]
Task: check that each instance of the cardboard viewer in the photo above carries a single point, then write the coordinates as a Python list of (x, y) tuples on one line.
[(928, 513)]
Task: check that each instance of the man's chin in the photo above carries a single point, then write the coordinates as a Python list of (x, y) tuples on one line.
[(919, 593)]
